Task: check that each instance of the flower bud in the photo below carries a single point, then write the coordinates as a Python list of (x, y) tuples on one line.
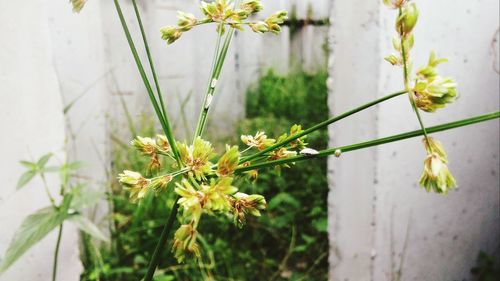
[(259, 141), (436, 176), (170, 34), (252, 6), (185, 243), (136, 183), (160, 183), (145, 145), (247, 204), (407, 20), (437, 94), (186, 21), (392, 59), (162, 143), (78, 5), (228, 162), (259, 27)]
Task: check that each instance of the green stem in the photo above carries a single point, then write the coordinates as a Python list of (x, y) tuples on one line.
[(56, 252), (163, 119), (155, 259), (212, 84), (407, 84), (150, 60), (320, 126), (47, 191), (375, 142)]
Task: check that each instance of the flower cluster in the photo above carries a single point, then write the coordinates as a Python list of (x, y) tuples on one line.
[(431, 90), (139, 186), (225, 13), (436, 176), (207, 188), (152, 148), (428, 93)]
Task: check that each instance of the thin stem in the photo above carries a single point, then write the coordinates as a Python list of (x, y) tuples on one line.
[(212, 84), (163, 119), (46, 187), (375, 142), (407, 84), (155, 259), (150, 60), (56, 252), (321, 125)]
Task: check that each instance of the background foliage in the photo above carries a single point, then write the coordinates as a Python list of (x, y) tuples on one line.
[(289, 242)]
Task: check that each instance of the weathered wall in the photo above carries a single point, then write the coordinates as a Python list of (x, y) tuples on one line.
[(32, 124), (375, 202), (52, 57)]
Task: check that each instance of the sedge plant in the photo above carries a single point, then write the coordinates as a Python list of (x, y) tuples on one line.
[(205, 182)]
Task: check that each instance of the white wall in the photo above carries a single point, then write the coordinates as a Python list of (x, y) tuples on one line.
[(51, 57), (32, 125), (374, 193)]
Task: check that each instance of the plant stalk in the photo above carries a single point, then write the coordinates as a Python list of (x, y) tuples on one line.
[(320, 126), (155, 259), (406, 76), (375, 142), (56, 252), (150, 60), (167, 128), (212, 83)]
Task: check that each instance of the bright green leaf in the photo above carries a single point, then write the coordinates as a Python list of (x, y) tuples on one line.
[(283, 198), (33, 229), (321, 224), (87, 226), (25, 178)]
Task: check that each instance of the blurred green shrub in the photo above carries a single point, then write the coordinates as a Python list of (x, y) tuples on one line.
[(289, 242)]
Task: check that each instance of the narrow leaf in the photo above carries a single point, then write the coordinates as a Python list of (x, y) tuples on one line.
[(25, 178), (43, 160), (33, 229), (87, 226), (29, 165)]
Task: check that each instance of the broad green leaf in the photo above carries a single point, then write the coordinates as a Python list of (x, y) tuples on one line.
[(25, 178), (87, 226), (43, 160), (33, 229)]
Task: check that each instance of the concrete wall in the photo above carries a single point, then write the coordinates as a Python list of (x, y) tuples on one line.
[(381, 222), (51, 57), (32, 125)]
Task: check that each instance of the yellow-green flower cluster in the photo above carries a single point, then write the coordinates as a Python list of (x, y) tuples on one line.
[(152, 148), (436, 176), (196, 157), (139, 186), (206, 188), (224, 13), (431, 90)]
